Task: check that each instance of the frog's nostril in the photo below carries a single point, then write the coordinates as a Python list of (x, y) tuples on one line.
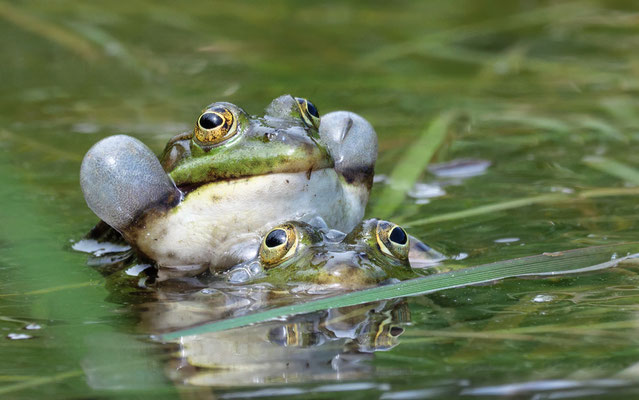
[(345, 270), (268, 136), (396, 331)]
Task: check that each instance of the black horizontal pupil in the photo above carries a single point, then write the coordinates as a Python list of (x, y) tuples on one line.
[(398, 236), (312, 109), (276, 238), (210, 121)]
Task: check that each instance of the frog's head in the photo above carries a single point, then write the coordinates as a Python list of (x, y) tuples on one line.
[(376, 251), (227, 143)]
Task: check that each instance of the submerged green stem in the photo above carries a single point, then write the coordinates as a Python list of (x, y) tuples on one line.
[(549, 264)]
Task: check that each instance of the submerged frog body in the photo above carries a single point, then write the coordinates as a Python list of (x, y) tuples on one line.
[(310, 258), (231, 179)]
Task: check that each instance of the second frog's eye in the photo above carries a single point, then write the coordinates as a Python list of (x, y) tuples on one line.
[(392, 239), (215, 126), (278, 245), (310, 115)]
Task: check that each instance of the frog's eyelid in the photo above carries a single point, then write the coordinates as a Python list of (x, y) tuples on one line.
[(384, 249), (308, 118)]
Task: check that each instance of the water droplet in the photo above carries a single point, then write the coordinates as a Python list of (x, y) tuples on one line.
[(334, 235)]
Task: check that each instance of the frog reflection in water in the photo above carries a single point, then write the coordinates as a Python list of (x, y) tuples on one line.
[(207, 200), (333, 344), (312, 258)]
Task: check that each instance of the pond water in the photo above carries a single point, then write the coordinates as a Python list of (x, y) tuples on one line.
[(544, 97)]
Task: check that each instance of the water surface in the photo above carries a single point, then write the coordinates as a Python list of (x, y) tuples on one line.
[(536, 88)]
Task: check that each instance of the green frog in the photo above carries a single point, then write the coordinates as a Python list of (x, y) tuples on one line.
[(216, 190), (314, 258)]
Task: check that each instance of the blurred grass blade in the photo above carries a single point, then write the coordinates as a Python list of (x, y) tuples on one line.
[(39, 381), (47, 149), (411, 166), (490, 208), (115, 48), (571, 261), (529, 18), (602, 127), (538, 122), (48, 31), (613, 168), (524, 202)]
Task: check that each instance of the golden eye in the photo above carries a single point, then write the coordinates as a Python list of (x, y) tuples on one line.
[(278, 245), (310, 115), (215, 126), (392, 240)]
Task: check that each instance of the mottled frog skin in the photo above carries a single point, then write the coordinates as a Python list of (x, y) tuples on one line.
[(315, 258)]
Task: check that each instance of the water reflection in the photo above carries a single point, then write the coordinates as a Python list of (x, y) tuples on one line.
[(327, 345), (332, 344)]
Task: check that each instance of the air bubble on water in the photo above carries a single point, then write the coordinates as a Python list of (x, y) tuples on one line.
[(543, 298), (561, 189), (32, 327), (507, 240), (379, 178), (461, 168), (19, 336), (424, 191)]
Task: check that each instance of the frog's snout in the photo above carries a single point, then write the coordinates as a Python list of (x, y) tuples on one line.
[(350, 270), (121, 179)]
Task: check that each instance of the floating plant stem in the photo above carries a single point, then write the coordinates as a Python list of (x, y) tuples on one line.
[(546, 264)]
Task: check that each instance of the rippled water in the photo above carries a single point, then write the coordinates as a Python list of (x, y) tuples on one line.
[(536, 87)]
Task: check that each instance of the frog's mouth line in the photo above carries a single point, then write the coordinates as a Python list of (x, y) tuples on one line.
[(188, 188), (352, 176)]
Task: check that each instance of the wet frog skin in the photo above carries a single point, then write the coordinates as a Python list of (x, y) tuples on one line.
[(311, 258), (218, 189)]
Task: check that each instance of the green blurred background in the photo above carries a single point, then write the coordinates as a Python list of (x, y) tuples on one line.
[(536, 87)]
